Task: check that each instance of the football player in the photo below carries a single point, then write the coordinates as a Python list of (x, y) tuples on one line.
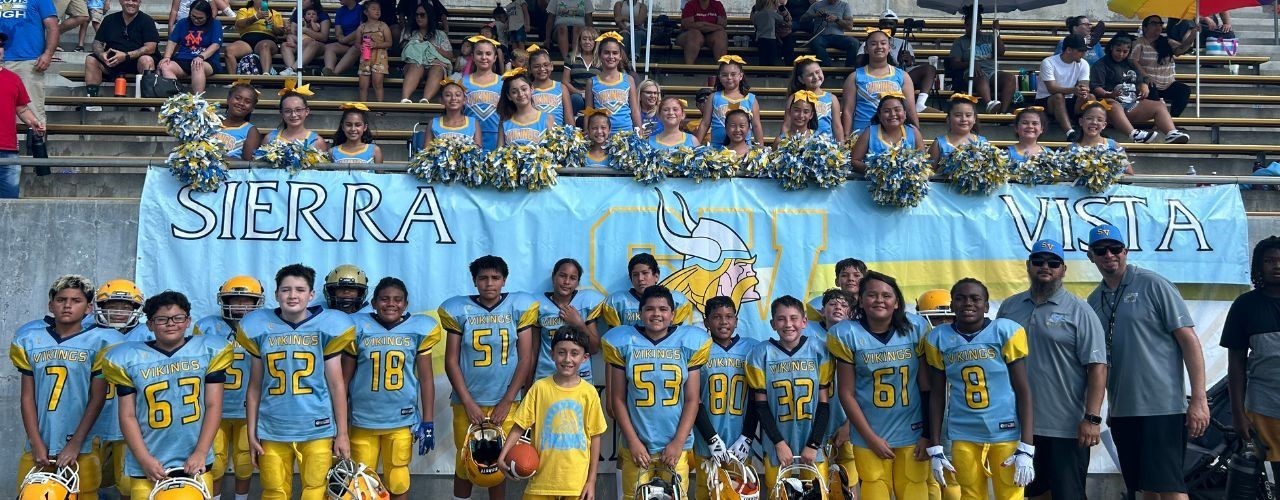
[(623, 308), (565, 304), (837, 305), (790, 379), (849, 273), (489, 356), (62, 392), (724, 390), (118, 307), (237, 297), (935, 305), (346, 288), (170, 395), (654, 386), (393, 389), (296, 404)]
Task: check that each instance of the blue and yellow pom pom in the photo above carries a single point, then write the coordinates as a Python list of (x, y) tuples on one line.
[(293, 156), (899, 177), (1048, 167), (200, 164), (521, 166), (810, 159), (189, 117), (567, 146), (977, 168), (1098, 167), (447, 160)]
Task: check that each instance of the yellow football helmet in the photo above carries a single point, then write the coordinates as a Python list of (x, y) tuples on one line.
[(838, 483), (480, 455), (118, 290), (179, 486), (350, 480), (41, 484), (240, 286), (663, 483), (799, 481), (936, 302), (346, 276), (732, 480)]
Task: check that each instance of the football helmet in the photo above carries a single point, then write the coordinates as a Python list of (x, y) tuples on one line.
[(63, 483), (240, 286), (838, 483), (350, 480), (799, 481), (177, 485), (732, 480), (480, 455), (936, 302), (117, 290), (658, 487), (345, 276)]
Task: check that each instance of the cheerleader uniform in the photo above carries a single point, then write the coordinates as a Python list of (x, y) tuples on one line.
[(877, 143), (482, 104), (551, 101), (233, 139), (945, 148), (686, 142), (312, 137), (615, 97), (1016, 158), (519, 134), (466, 132), (720, 107), (364, 155), (870, 88), (603, 161), (824, 108)]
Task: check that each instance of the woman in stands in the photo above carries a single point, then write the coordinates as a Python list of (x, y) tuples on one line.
[(193, 47), (294, 111), (614, 89), (1154, 54), (571, 18), (1028, 124), (807, 74), (549, 96), (427, 55), (1092, 121), (650, 97), (240, 137), (877, 75), (484, 88), (454, 122), (732, 92), (315, 33), (581, 66), (888, 129), (1115, 78), (259, 31), (343, 51), (773, 32)]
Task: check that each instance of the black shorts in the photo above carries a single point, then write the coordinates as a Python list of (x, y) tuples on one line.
[(126, 67), (185, 64), (1071, 107), (253, 38), (1061, 467), (1151, 451)]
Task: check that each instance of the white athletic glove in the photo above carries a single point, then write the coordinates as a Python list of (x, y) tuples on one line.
[(741, 448), (1023, 470), (718, 450), (938, 462)]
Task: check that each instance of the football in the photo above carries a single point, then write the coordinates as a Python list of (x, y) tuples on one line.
[(523, 459)]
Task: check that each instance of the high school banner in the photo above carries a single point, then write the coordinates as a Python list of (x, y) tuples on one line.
[(745, 238)]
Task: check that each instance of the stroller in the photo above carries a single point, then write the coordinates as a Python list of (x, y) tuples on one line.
[(1219, 454)]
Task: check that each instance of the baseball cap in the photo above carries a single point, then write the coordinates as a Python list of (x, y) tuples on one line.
[(1075, 42), (1105, 232), (1047, 246)]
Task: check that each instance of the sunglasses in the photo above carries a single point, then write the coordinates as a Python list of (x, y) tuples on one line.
[(1052, 263), (1113, 250)]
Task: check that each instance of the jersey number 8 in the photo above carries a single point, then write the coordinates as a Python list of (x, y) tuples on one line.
[(975, 387)]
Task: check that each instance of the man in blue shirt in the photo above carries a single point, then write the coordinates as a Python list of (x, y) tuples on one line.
[(32, 28)]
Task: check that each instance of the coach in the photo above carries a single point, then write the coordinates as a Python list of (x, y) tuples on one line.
[(1150, 336), (1068, 368)]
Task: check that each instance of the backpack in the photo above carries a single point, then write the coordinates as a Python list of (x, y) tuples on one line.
[(249, 65)]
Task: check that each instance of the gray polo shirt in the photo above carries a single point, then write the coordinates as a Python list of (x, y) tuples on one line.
[(1146, 376), (817, 13), (1065, 338)]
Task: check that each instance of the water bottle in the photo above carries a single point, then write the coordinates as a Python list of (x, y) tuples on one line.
[(1191, 170), (38, 148), (366, 48), (1023, 82), (122, 86), (266, 8)]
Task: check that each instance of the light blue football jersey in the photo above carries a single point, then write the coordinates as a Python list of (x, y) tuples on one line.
[(656, 371), (168, 389), (107, 426), (724, 390), (884, 373), (295, 404), (791, 381), (236, 387), (490, 336), (623, 308), (818, 332), (590, 305), (980, 397), (384, 389), (63, 370)]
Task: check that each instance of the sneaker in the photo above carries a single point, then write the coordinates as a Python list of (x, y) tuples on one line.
[(992, 106), (1142, 136), (93, 108), (1072, 135), (288, 72), (1176, 136), (327, 72), (406, 101), (922, 102)]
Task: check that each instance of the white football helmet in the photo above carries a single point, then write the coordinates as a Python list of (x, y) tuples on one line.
[(658, 487), (799, 481), (732, 480)]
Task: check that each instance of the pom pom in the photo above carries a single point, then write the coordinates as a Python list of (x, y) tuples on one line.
[(516, 166), (1099, 167), (756, 163), (189, 117), (567, 146), (292, 156), (627, 151), (977, 167), (200, 164), (810, 159), (1048, 167), (448, 160), (704, 162), (899, 177)]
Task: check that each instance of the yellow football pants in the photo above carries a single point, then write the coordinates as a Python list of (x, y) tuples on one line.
[(231, 445), (975, 463), (393, 447), (142, 487), (630, 472), (314, 458), (900, 477)]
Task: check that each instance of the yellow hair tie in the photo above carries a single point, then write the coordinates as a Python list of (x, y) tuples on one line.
[(895, 95), (589, 112), (291, 87), (609, 35), (514, 72), (964, 97), (683, 103), (1106, 106), (246, 82), (1037, 109), (805, 95), (805, 59), (450, 81), (353, 105), (532, 48), (731, 59), (737, 106), (482, 38), (887, 31)]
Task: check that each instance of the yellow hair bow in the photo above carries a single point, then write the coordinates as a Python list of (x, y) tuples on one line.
[(609, 35), (532, 48), (805, 95), (894, 95), (482, 38), (737, 106), (805, 59), (731, 59), (964, 97), (450, 81), (353, 105), (887, 31), (683, 103), (1106, 106), (246, 82), (514, 72), (589, 112), (1036, 109), (291, 87)]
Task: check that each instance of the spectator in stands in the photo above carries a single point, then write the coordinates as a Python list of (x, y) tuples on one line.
[(33, 36), (987, 46), (650, 96), (623, 12), (427, 55), (581, 66), (77, 14), (97, 10), (1063, 85), (13, 100), (259, 31), (904, 56), (343, 51), (829, 20), (571, 16), (315, 34), (375, 39), (703, 22), (773, 32), (193, 46), (178, 9), (1115, 78), (1081, 25), (1154, 54), (124, 45), (516, 29)]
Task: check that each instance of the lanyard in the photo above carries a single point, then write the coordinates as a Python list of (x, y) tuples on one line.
[(1113, 306)]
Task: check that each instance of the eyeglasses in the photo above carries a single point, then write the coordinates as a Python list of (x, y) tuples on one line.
[(1052, 263), (294, 111), (1103, 250), (165, 320)]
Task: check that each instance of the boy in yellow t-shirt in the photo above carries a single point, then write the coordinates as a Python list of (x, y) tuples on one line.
[(567, 420)]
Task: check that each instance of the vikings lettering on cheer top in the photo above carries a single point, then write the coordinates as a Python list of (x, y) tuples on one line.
[(870, 89), (465, 132), (550, 100), (523, 134), (482, 104), (233, 138), (823, 108), (616, 97)]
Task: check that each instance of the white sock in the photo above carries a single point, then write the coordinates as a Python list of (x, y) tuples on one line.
[(242, 496), (461, 498), (229, 13), (921, 100)]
